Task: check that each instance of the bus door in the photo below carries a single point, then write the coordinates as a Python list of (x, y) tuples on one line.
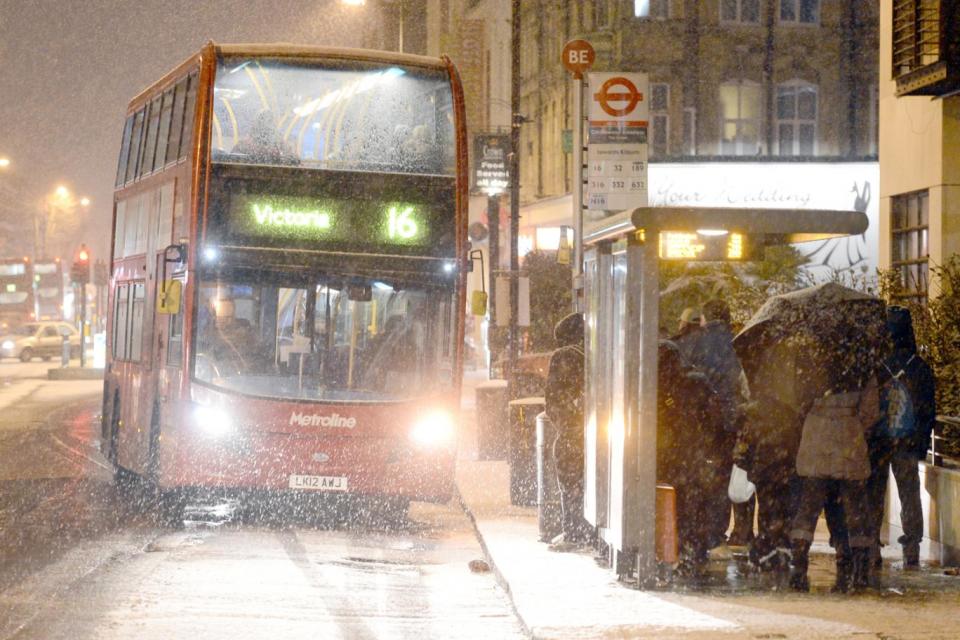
[(168, 339)]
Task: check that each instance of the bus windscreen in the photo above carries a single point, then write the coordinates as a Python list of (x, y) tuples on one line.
[(333, 114)]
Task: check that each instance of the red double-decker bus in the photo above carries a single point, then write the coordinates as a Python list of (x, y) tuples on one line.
[(288, 273), (16, 293), (48, 288)]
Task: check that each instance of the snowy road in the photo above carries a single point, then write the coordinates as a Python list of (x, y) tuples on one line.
[(77, 562)]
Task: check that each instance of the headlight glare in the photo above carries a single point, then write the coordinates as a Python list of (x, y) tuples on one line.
[(212, 421), (433, 429), (8, 344)]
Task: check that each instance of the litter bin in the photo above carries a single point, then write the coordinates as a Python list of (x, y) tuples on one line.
[(523, 450), (549, 512), (492, 420)]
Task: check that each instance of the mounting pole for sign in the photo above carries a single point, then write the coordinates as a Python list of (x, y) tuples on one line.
[(515, 121), (578, 160), (578, 56)]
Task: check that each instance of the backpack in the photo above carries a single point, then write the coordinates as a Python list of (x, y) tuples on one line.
[(900, 416)]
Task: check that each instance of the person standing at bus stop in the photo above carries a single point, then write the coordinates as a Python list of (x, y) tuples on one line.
[(564, 406), (908, 412), (833, 460)]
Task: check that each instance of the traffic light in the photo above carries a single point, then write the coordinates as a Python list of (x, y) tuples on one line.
[(80, 271)]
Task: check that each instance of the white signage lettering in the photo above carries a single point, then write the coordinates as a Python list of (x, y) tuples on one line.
[(334, 420)]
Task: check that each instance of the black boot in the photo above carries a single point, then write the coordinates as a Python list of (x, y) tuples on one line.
[(800, 561), (911, 555), (844, 570), (860, 576)]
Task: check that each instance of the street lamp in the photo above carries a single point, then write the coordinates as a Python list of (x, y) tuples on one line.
[(4, 163), (60, 201), (400, 15)]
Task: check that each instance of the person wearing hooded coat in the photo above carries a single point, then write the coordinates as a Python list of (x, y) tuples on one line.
[(833, 460), (690, 440), (903, 452), (564, 398)]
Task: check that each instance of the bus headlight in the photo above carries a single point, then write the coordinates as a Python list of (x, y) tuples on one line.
[(433, 429), (211, 420)]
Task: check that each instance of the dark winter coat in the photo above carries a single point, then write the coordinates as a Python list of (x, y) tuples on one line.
[(689, 435), (710, 350), (767, 443), (917, 376), (693, 449), (833, 444), (563, 393)]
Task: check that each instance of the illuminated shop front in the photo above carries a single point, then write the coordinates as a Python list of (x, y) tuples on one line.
[(755, 185)]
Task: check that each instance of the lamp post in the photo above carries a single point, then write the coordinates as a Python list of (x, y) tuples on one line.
[(59, 202)]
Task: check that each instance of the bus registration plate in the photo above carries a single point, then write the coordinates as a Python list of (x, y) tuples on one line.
[(319, 483)]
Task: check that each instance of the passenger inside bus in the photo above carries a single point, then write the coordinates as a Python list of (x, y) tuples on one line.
[(234, 345), (264, 143), (390, 357)]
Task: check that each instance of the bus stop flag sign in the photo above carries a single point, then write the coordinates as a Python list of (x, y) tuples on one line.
[(617, 144), (578, 56)]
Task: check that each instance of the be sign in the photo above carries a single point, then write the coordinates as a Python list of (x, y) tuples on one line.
[(578, 56)]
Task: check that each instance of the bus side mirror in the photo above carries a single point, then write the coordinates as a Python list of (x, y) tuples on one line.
[(478, 303), (169, 296)]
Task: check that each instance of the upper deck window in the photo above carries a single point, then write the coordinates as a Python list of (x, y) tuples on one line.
[(340, 115)]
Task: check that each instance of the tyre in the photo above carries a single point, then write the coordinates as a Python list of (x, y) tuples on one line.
[(153, 452), (26, 355), (170, 506)]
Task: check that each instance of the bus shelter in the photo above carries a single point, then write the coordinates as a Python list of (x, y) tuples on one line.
[(621, 289)]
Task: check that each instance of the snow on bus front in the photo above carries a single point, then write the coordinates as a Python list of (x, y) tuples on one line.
[(398, 448)]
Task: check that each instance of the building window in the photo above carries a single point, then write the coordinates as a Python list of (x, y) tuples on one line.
[(796, 119), (916, 34), (740, 110), (800, 11), (659, 119), (744, 11), (601, 13), (909, 235), (873, 134), (656, 9), (690, 131)]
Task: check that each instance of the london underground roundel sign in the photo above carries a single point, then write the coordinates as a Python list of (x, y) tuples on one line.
[(618, 96), (578, 56)]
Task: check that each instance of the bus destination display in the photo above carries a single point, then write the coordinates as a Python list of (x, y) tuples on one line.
[(308, 218)]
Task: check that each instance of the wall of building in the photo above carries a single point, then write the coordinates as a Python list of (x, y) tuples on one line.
[(694, 52), (919, 139)]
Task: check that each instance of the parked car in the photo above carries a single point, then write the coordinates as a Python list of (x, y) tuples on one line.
[(39, 339)]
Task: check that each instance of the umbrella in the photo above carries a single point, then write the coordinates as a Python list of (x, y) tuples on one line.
[(837, 336)]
